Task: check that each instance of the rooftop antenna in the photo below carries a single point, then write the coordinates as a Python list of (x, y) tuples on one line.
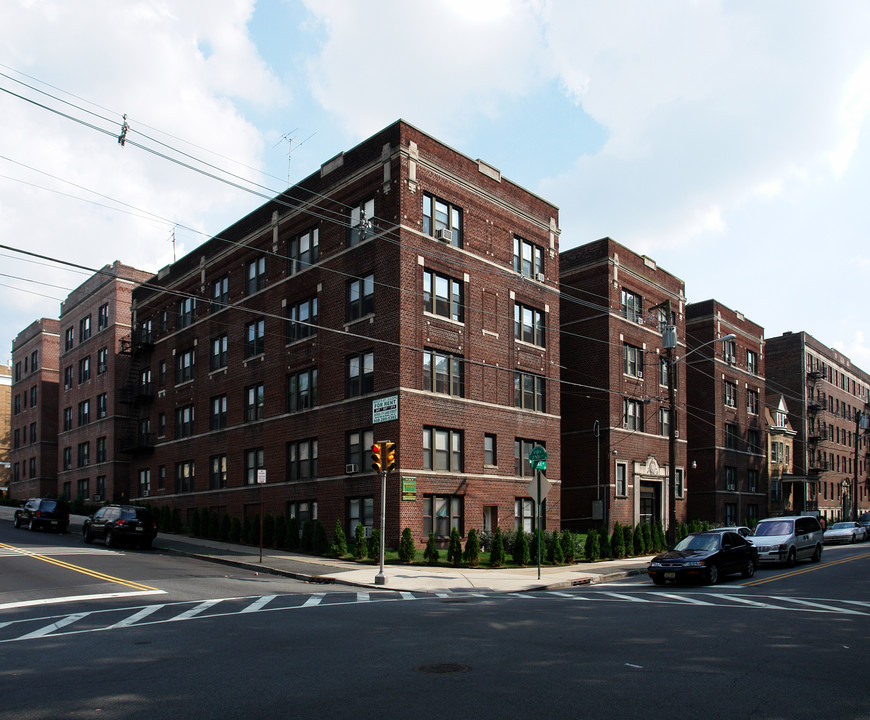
[(172, 237), (288, 138)]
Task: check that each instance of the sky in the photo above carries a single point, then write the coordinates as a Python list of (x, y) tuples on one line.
[(728, 141)]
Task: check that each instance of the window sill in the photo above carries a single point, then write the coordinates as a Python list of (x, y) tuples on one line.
[(442, 318), (370, 317)]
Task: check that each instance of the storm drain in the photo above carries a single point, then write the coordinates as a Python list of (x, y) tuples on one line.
[(442, 668)]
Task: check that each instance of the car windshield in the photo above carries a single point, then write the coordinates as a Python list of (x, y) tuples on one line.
[(842, 526), (777, 527), (48, 505), (698, 542)]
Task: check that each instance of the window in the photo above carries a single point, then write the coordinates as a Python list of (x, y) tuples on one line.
[(84, 328), (442, 449), (217, 476), (219, 352), (220, 293), (442, 220), (254, 461), (359, 442), (752, 401), (34, 361), (255, 399), (360, 511), (490, 453), (32, 433), (68, 339), (68, 378), (443, 373), (255, 277), (185, 473), (302, 390), (103, 317), (730, 394), (161, 373), (528, 258), (303, 251), (67, 418), (161, 478), (632, 360), (360, 297), (730, 513), (145, 335), (621, 479), (730, 478), (632, 306), (442, 295), (361, 222), (729, 349), (67, 458), (442, 513), (302, 319), (33, 396), (524, 514), (255, 338), (186, 311), (302, 460), (101, 449), (17, 371), (144, 482), (752, 361), (678, 481), (528, 325), (360, 374), (102, 406), (218, 415), (184, 422), (632, 414), (753, 440), (84, 369), (522, 448), (84, 454), (529, 392), (752, 480), (302, 511), (164, 321), (82, 487), (731, 436), (665, 422), (102, 360), (161, 424), (84, 412), (184, 363), (16, 439)]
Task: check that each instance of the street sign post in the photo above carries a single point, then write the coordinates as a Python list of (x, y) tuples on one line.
[(538, 489)]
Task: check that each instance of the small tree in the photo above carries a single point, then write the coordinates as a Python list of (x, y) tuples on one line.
[(472, 549), (407, 549), (454, 548), (569, 547), (268, 530), (374, 544), (592, 550), (321, 541), (660, 543), (521, 548), (235, 530), (646, 531), (628, 540), (165, 518), (253, 536), (683, 530), (214, 525), (496, 553), (175, 521), (617, 542), (637, 541), (226, 526), (194, 523), (280, 537), (555, 554), (292, 540), (431, 554), (604, 544), (359, 541), (307, 541), (339, 541)]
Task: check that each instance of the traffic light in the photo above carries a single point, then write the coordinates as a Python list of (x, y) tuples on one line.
[(377, 461), (389, 456)]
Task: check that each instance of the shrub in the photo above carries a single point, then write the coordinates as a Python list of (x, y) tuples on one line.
[(77, 506), (359, 541), (454, 548), (646, 532), (407, 549), (431, 554), (226, 526), (307, 541), (705, 526), (569, 547), (321, 541), (555, 554), (660, 543), (533, 548), (592, 551), (628, 540), (339, 541), (485, 537), (194, 523), (472, 549), (374, 544), (617, 542), (496, 553), (165, 518), (253, 535), (214, 525), (683, 530), (292, 539), (175, 521), (637, 541), (508, 537), (604, 544), (695, 526), (279, 540), (268, 530), (521, 549), (235, 530)]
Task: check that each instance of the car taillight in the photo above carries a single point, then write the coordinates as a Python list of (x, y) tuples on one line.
[(121, 523), (39, 513)]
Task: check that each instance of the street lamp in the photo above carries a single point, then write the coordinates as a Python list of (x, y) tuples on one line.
[(669, 342)]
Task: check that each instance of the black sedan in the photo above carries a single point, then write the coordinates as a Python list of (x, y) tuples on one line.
[(121, 524), (705, 556)]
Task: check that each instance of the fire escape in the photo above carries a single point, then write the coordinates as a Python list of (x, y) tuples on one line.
[(137, 392), (817, 403)]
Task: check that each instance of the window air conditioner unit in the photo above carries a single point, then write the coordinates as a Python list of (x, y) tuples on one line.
[(443, 235), (640, 374), (676, 433), (98, 498), (351, 468), (539, 277), (625, 425)]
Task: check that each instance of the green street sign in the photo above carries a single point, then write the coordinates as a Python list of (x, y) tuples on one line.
[(538, 458)]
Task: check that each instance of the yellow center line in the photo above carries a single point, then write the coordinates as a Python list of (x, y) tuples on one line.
[(801, 571), (77, 568)]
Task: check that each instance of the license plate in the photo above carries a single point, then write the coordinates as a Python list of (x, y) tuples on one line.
[(670, 576), (54, 522), (139, 529)]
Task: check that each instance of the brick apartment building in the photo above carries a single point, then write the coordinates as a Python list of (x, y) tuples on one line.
[(780, 456), (826, 396), (5, 426), (402, 276), (34, 410), (92, 419), (615, 406), (726, 427)]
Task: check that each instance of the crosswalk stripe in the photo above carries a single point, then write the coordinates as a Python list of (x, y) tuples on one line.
[(259, 604), (363, 597), (313, 600), (820, 606), (136, 617), (684, 599), (630, 598), (48, 629), (194, 611), (745, 601), (407, 595)]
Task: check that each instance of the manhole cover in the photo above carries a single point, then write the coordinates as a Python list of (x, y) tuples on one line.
[(443, 668)]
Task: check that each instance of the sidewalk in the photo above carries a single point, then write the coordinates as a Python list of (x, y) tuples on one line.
[(407, 578)]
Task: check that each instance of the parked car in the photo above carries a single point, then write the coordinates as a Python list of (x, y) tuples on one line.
[(845, 532), (121, 524), (705, 556), (864, 522), (741, 530), (788, 539), (46, 513)]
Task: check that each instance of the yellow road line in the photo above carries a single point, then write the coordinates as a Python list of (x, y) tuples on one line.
[(77, 568), (801, 571)]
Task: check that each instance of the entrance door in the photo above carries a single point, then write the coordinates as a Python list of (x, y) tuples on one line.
[(649, 503)]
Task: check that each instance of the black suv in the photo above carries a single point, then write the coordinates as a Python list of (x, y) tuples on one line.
[(46, 513), (120, 524)]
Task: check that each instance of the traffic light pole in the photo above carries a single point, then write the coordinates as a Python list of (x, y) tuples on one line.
[(380, 578)]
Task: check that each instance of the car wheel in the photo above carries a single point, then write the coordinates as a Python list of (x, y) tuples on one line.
[(817, 555), (854, 539), (86, 532), (110, 538), (791, 558), (749, 570), (33, 526), (658, 580), (17, 522), (713, 574)]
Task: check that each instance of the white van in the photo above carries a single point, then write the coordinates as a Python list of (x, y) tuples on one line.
[(788, 539)]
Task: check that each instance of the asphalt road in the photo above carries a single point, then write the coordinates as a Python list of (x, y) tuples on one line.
[(789, 643)]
